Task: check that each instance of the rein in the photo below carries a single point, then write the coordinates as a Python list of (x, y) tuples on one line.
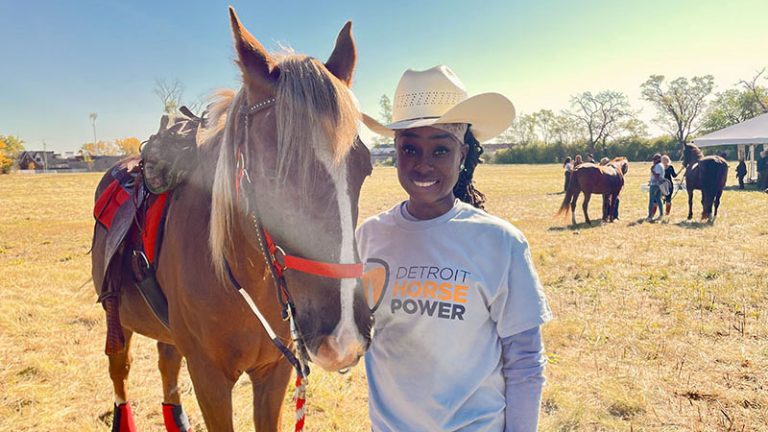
[(279, 263), (679, 182)]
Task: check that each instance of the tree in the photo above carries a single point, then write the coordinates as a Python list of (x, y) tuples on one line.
[(522, 131), (544, 123), (169, 94), (633, 128), (128, 146), (602, 115), (759, 94), (567, 130), (680, 104), (729, 108), (385, 116), (101, 148), (10, 147)]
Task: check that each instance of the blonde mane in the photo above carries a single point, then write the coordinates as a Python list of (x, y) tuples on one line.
[(312, 108)]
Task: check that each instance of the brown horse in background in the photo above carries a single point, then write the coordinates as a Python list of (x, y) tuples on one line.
[(589, 178), (282, 151), (707, 174)]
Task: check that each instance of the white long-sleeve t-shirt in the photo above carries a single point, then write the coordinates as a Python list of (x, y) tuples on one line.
[(452, 289)]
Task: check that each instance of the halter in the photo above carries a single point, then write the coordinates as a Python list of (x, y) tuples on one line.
[(279, 263)]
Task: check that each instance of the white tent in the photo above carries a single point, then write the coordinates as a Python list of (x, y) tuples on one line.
[(750, 133)]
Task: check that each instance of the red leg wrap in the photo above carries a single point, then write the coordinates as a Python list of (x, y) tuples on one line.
[(122, 419), (175, 419)]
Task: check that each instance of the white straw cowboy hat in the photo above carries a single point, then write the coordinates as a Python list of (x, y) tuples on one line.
[(435, 96)]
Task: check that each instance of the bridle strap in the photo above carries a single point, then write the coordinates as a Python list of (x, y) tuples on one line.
[(298, 365), (313, 267)]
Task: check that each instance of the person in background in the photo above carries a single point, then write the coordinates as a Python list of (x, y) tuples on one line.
[(762, 169), (741, 171), (654, 190), (567, 169), (577, 161), (591, 158), (669, 174), (471, 357)]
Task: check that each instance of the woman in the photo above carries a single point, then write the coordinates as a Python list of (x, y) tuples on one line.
[(654, 190), (669, 174), (567, 168), (457, 341)]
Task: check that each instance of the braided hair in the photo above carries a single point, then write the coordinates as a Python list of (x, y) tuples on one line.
[(465, 188)]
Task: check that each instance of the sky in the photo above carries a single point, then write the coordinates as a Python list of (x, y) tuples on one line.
[(62, 60)]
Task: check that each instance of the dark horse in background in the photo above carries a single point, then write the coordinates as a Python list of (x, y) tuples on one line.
[(589, 179), (707, 174), (281, 151)]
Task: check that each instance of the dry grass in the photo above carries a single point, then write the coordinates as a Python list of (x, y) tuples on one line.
[(659, 327)]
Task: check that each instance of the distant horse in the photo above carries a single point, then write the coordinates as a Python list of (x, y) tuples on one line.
[(707, 174), (589, 178), (282, 154)]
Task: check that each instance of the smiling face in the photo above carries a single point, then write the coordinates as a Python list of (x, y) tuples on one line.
[(428, 166)]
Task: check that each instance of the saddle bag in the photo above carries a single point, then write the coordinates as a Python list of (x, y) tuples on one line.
[(169, 155)]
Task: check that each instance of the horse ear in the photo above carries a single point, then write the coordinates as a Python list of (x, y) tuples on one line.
[(258, 67), (342, 61)]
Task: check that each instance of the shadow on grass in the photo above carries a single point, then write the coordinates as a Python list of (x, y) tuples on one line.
[(578, 226), (691, 224), (747, 188), (666, 221), (736, 188)]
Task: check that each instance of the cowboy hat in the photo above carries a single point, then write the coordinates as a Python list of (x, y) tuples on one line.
[(437, 96)]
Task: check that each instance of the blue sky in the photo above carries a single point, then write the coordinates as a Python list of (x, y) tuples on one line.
[(65, 59)]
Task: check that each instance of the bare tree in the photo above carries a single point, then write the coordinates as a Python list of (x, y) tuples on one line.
[(601, 115), (567, 130), (679, 104), (544, 121), (521, 132), (759, 93), (169, 94)]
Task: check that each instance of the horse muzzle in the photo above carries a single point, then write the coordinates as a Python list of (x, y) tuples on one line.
[(334, 355)]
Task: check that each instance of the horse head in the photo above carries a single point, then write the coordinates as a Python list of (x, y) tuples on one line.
[(291, 162), (691, 154)]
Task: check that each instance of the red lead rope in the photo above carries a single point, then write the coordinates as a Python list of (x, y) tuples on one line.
[(317, 268), (300, 396)]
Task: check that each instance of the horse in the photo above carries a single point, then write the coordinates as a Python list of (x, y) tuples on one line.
[(589, 178), (280, 158), (707, 174)]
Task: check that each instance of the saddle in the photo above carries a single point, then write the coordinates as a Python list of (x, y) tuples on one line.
[(133, 209)]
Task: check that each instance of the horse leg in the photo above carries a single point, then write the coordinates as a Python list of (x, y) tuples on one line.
[(717, 202), (268, 394), (606, 206), (709, 201), (704, 200), (213, 388), (573, 206), (585, 207), (169, 363), (690, 204), (119, 367)]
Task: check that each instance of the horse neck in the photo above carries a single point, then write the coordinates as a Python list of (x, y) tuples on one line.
[(695, 157)]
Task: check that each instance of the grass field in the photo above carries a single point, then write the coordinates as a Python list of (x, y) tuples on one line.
[(658, 327)]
